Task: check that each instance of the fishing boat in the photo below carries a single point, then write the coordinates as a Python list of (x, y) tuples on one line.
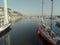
[(49, 37), (4, 23)]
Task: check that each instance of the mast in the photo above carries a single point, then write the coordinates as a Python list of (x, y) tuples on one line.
[(5, 12), (42, 11), (42, 7), (51, 13)]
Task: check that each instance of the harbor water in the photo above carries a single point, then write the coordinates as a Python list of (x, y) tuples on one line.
[(24, 32)]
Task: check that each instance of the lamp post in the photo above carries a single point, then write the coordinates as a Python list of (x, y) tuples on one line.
[(51, 12)]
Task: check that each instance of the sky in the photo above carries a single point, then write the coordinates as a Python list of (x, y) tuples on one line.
[(33, 7)]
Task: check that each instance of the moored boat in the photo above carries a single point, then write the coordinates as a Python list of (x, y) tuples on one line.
[(4, 22), (47, 34)]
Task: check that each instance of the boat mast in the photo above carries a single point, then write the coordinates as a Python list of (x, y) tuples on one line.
[(5, 12), (42, 7), (42, 10), (51, 13)]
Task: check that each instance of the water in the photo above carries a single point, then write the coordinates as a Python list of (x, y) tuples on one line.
[(24, 32)]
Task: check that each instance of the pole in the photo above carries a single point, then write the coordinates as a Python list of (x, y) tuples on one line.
[(51, 13)]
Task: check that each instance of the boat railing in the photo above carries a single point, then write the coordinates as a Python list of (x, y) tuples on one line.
[(50, 33), (1, 21)]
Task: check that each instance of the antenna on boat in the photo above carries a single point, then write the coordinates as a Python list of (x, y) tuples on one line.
[(5, 12), (51, 13)]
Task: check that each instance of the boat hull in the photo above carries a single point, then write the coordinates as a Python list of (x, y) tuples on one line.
[(45, 39), (5, 31)]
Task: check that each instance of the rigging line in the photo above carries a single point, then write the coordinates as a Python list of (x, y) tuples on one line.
[(42, 7), (42, 13)]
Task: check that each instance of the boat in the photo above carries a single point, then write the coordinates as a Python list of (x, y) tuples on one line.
[(4, 23), (51, 18), (47, 34), (49, 37)]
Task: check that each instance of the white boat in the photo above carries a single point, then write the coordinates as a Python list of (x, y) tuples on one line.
[(4, 23)]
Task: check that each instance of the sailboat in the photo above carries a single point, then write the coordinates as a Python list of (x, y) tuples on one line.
[(5, 25), (47, 34)]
